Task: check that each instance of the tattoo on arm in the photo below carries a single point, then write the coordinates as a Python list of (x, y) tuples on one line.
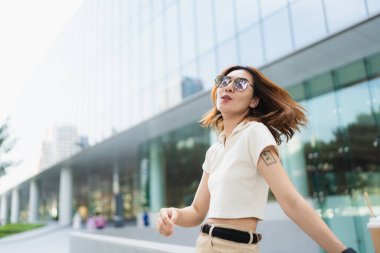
[(268, 157)]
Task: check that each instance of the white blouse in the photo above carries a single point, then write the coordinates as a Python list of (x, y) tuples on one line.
[(236, 187)]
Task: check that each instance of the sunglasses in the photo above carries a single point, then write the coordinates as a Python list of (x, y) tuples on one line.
[(239, 83)]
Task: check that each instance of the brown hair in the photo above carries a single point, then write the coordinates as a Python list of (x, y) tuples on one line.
[(276, 109)]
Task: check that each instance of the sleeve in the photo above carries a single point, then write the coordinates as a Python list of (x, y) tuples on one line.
[(206, 163), (260, 138)]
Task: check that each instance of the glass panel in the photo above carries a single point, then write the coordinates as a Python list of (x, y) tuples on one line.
[(251, 50), (206, 39), (158, 6), (308, 21), (352, 12), (323, 162), (270, 6), (227, 54), (207, 68), (190, 82), (297, 92), (158, 49), (373, 65), (373, 6), (182, 154), (362, 159), (224, 20), (160, 100), (350, 74), (135, 64), (146, 59), (172, 36), (147, 103), (374, 86), (276, 29), (247, 13), (188, 39), (320, 85), (146, 15)]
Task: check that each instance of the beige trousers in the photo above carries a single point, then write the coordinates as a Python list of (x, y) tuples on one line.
[(208, 244)]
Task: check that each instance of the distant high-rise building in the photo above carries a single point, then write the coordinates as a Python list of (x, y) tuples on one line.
[(64, 142)]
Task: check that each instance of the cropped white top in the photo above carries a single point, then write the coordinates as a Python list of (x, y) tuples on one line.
[(236, 187)]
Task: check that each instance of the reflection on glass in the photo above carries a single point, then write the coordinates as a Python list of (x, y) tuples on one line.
[(353, 11), (158, 6), (247, 12), (208, 69), (277, 35), (340, 148), (251, 50), (188, 39), (158, 48), (183, 152), (270, 6), (171, 39), (225, 25), (227, 54), (373, 6), (308, 21), (205, 28)]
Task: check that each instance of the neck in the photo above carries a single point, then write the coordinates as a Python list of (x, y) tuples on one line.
[(230, 123)]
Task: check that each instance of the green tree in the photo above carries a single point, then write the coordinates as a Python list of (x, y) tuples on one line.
[(6, 146)]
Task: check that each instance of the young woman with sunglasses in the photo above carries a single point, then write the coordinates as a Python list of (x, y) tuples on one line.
[(251, 114)]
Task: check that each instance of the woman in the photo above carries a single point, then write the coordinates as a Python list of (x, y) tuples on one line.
[(251, 114)]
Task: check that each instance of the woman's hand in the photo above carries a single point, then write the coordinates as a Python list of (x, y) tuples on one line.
[(166, 220)]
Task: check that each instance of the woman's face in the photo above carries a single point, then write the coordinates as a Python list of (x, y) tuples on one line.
[(230, 101)]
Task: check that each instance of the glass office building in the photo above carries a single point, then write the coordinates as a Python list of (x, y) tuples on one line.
[(127, 81)]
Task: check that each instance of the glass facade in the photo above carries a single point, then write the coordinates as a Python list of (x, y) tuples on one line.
[(121, 63), (340, 153)]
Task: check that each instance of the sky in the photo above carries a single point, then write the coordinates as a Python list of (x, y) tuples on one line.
[(28, 29)]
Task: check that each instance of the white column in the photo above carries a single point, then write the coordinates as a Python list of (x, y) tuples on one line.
[(4, 209), (65, 196), (115, 179), (156, 178), (15, 205), (33, 202)]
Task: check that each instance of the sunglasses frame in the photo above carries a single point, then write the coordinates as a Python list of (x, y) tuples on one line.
[(218, 82)]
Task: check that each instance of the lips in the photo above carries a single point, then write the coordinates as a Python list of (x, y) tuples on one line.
[(226, 97)]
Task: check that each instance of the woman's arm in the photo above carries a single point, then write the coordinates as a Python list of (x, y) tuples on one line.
[(189, 216), (293, 204)]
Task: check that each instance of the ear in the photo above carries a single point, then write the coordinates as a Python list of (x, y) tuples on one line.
[(254, 102)]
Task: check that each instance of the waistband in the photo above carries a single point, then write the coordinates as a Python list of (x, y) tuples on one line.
[(231, 233)]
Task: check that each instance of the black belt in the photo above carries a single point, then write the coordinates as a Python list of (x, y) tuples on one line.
[(231, 234)]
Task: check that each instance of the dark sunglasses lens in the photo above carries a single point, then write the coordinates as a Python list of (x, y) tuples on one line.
[(241, 84), (221, 81)]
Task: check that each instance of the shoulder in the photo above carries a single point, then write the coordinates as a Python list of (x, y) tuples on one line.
[(255, 126), (258, 130), (212, 148)]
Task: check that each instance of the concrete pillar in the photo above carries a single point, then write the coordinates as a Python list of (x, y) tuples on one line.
[(156, 178), (15, 205), (33, 202), (65, 196), (4, 209)]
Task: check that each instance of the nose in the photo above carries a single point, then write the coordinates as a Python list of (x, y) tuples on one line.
[(230, 87)]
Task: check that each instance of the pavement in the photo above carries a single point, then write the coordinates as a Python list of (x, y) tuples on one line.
[(52, 238)]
